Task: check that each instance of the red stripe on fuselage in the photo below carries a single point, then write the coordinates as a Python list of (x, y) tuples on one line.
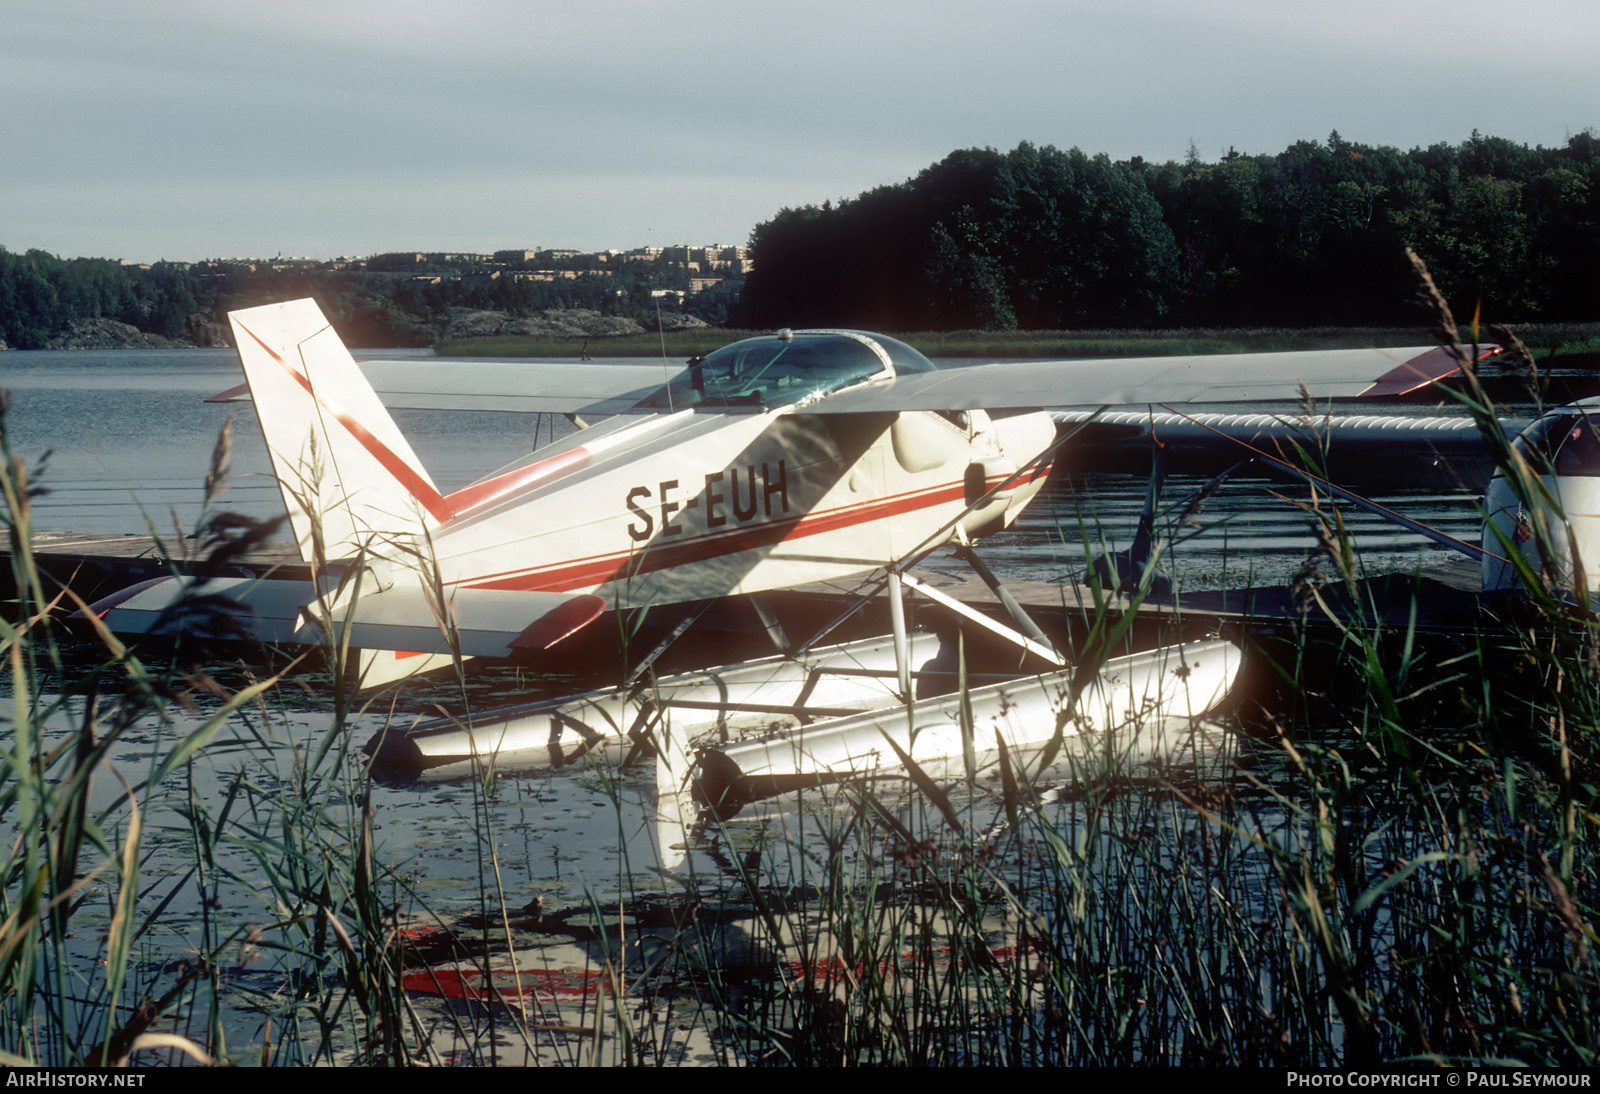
[(471, 497), (597, 570), (716, 544)]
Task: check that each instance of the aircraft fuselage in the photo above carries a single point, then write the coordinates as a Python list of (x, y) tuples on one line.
[(696, 506)]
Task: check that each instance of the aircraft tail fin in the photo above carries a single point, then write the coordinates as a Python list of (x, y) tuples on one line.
[(347, 474)]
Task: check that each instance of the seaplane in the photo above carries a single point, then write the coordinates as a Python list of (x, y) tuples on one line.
[(776, 461)]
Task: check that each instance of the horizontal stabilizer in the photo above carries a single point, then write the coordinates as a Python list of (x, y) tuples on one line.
[(226, 608), (485, 623)]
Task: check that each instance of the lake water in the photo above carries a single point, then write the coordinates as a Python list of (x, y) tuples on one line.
[(130, 441)]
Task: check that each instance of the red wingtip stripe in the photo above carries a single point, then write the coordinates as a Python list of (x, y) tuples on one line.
[(1420, 371)]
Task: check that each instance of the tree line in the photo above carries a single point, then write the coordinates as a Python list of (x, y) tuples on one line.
[(1040, 238), (42, 295)]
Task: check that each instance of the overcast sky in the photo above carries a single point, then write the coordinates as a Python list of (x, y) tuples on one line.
[(184, 129)]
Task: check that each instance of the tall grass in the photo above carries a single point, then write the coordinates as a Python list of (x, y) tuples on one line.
[(1401, 874), (119, 856)]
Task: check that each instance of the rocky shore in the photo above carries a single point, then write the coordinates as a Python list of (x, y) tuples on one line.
[(111, 334), (558, 323), (94, 334)]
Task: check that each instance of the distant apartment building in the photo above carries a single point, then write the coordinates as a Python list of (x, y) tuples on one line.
[(734, 259), (699, 257)]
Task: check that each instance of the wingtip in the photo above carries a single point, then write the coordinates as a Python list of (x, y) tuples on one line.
[(1418, 372)]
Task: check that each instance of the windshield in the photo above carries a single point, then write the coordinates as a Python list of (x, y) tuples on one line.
[(905, 359), (774, 371), (1565, 443)]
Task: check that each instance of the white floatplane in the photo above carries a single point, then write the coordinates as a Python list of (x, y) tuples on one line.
[(773, 462)]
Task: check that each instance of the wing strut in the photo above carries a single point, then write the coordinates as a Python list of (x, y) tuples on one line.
[(1016, 611), (1443, 539), (895, 576), (694, 613), (897, 619), (1043, 649)]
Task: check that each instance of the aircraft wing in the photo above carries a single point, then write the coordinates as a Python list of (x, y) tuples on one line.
[(573, 386), (1212, 378)]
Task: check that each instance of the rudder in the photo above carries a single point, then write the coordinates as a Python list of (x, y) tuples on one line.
[(343, 466)]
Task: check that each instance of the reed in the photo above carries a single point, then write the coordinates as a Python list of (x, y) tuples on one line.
[(109, 872)]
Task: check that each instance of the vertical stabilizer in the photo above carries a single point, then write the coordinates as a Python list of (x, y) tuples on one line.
[(345, 470)]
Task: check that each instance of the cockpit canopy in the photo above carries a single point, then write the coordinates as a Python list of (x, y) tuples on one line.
[(785, 369), (1564, 441)]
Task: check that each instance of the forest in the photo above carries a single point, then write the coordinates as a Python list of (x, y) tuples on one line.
[(1044, 239), (1033, 239)]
